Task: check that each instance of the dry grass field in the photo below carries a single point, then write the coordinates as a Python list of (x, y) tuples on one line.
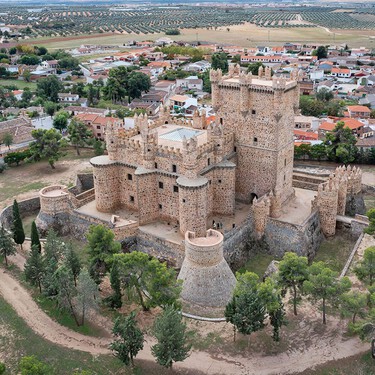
[(246, 35)]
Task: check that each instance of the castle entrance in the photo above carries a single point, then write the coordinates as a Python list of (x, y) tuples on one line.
[(252, 196)]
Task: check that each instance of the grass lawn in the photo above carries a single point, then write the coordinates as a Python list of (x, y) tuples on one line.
[(14, 188), (20, 84), (257, 264), (369, 201), (335, 251)]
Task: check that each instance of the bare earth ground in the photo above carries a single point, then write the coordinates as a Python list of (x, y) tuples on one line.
[(246, 35), (307, 344), (26, 180)]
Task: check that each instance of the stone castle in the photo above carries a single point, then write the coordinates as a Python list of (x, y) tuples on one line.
[(165, 183)]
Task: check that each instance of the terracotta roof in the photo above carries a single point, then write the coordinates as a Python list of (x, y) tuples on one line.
[(301, 133), (339, 70), (351, 123), (359, 108)]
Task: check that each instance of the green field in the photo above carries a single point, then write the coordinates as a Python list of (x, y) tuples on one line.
[(20, 84)]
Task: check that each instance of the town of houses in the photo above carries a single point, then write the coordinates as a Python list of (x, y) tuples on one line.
[(347, 73)]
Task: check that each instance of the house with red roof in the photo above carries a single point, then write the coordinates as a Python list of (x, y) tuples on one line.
[(353, 124), (358, 111), (340, 72)]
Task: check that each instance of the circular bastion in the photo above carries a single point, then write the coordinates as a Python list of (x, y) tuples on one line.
[(208, 282)]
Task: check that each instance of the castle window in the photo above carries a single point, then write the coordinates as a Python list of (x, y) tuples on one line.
[(130, 177), (156, 165), (161, 185), (160, 206), (253, 112), (219, 181), (183, 201), (255, 140), (174, 168), (131, 198), (235, 149), (285, 162), (221, 121), (208, 161), (175, 189)]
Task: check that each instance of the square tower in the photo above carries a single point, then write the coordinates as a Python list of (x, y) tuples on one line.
[(260, 112)]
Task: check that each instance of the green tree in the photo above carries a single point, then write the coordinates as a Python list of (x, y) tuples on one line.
[(101, 248), (47, 145), (70, 63), (50, 108), (318, 152), (35, 268), (98, 147), (79, 134), (371, 216), (17, 227), (35, 241), (54, 248), (30, 365), (365, 269), (219, 60), (2, 368), (87, 294), (115, 299), (8, 140), (66, 292), (254, 68), (321, 52), (7, 246), (341, 144), (48, 88), (171, 334), (29, 60), (324, 95), (293, 271), (72, 262), (60, 121), (247, 312), (354, 302), (137, 83), (324, 284), (153, 282), (129, 339)]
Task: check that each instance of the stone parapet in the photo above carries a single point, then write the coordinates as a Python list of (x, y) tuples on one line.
[(54, 199)]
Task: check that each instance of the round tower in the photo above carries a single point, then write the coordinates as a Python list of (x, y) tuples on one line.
[(208, 282), (106, 183)]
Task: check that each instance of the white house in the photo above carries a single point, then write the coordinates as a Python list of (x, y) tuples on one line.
[(68, 97), (190, 83)]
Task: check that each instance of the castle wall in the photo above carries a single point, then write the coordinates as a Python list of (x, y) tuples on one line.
[(54, 204), (147, 192), (193, 205), (224, 191), (128, 187), (168, 198)]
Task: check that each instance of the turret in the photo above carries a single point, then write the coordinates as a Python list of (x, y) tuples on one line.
[(215, 77)]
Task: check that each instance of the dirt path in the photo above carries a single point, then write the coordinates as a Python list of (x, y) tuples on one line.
[(315, 349)]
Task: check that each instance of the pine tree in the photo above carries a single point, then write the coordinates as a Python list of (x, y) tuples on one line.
[(35, 241), (7, 246), (73, 263), (18, 232), (246, 312), (35, 268), (129, 339), (116, 298), (171, 334)]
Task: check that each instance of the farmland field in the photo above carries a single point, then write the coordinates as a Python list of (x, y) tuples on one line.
[(247, 25), (246, 35)]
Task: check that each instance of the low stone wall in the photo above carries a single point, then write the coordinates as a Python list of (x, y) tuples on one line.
[(26, 207), (160, 248), (302, 239)]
